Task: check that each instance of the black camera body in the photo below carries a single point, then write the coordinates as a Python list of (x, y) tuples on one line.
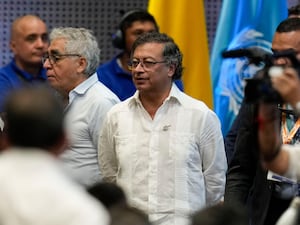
[(259, 88)]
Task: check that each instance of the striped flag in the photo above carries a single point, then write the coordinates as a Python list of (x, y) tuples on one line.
[(184, 21)]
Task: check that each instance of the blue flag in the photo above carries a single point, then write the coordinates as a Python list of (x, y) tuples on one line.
[(242, 24)]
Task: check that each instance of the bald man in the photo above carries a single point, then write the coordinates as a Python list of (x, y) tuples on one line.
[(28, 43)]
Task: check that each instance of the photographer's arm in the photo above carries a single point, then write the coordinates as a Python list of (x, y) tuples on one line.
[(269, 139)]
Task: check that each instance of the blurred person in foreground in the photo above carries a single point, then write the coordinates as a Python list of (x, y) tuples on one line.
[(163, 147), (128, 215), (109, 194), (34, 188), (220, 215), (71, 62), (115, 73)]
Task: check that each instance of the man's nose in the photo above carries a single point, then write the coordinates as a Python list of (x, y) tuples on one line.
[(46, 63)]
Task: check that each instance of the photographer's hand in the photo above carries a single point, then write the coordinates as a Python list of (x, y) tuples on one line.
[(288, 86)]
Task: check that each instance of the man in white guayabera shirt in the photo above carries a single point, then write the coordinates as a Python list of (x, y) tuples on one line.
[(162, 146)]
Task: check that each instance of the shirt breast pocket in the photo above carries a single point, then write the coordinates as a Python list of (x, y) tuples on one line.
[(125, 147), (183, 146)]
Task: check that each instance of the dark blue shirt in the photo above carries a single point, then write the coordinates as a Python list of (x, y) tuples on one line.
[(120, 81), (11, 77)]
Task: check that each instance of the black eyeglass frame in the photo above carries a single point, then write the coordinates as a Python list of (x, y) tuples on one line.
[(146, 64), (54, 58)]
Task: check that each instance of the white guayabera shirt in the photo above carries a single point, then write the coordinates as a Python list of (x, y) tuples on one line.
[(169, 166)]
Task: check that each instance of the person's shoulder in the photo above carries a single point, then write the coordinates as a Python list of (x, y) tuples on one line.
[(193, 103), (107, 72), (122, 106), (6, 70), (199, 108)]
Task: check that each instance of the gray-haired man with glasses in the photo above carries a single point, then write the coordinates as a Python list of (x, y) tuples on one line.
[(71, 62), (164, 148), (56, 57)]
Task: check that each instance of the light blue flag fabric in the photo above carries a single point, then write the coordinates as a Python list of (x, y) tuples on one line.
[(242, 24)]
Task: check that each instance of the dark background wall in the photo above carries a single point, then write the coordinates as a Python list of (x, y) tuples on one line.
[(102, 16)]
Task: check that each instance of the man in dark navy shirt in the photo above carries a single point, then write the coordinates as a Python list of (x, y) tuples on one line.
[(115, 73), (28, 43)]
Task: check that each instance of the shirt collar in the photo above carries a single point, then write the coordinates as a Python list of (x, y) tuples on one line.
[(82, 88), (175, 94), (27, 76), (119, 69)]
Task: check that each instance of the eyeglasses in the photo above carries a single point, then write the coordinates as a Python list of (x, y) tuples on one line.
[(146, 64), (56, 57)]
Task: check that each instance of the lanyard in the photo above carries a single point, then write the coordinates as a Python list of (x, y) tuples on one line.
[(287, 136)]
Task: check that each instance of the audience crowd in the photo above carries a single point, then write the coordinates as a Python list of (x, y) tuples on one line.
[(120, 143)]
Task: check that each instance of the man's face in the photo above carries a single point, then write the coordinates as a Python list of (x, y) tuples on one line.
[(136, 29), (29, 41), (64, 71), (151, 73), (285, 41)]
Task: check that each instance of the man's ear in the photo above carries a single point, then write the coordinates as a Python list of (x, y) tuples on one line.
[(12, 45), (171, 71), (82, 64)]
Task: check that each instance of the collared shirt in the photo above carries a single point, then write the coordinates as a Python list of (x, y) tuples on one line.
[(169, 166), (290, 133), (290, 124), (88, 105), (12, 77), (293, 171), (119, 81), (34, 190)]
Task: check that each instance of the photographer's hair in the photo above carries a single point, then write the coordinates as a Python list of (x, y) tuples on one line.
[(80, 41), (33, 118), (288, 25), (171, 52), (128, 18), (294, 11)]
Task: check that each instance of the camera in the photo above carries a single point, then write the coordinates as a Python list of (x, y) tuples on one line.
[(259, 88)]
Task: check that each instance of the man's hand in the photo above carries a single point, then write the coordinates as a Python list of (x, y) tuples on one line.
[(288, 85)]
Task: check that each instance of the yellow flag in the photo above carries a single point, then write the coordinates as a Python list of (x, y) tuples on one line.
[(184, 21)]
